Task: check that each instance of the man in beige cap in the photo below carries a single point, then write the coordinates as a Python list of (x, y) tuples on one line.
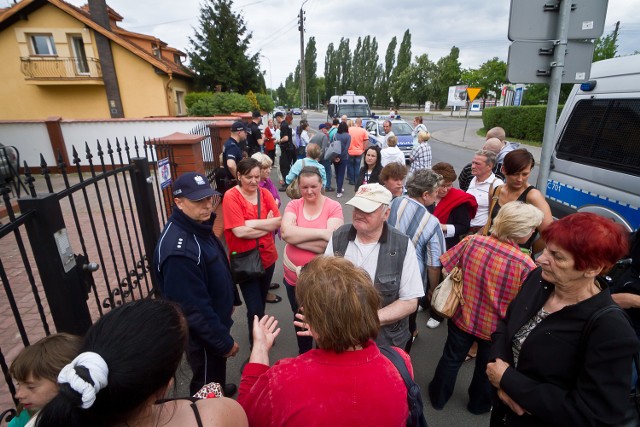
[(387, 255)]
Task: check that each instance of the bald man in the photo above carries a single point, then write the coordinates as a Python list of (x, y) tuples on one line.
[(492, 144)]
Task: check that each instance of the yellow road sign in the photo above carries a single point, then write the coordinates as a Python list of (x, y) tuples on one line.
[(473, 92)]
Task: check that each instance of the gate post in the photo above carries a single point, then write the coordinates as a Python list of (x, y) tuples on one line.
[(146, 207), (61, 278)]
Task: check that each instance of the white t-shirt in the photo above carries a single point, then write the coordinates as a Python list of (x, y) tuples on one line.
[(386, 137), (480, 190), (365, 255), (391, 154)]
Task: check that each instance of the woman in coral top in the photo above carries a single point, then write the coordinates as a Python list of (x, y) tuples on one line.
[(307, 226), (347, 381), (243, 226)]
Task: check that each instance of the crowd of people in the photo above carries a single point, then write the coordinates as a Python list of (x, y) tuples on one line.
[(550, 347)]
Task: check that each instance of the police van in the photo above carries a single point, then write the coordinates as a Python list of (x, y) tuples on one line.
[(349, 104), (595, 166)]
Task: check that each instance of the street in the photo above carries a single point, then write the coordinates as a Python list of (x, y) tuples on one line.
[(429, 344)]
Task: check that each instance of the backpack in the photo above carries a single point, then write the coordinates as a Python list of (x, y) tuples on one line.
[(414, 398)]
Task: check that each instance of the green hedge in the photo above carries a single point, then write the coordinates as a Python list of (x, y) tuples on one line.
[(525, 122), (221, 103)]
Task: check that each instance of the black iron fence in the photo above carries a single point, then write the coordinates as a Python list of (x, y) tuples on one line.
[(90, 232)]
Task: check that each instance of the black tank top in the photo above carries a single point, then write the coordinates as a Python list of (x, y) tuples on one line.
[(522, 198)]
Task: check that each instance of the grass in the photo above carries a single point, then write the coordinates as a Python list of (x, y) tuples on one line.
[(482, 132)]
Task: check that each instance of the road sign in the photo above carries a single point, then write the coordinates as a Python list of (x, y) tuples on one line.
[(473, 92), (538, 19), (530, 61)]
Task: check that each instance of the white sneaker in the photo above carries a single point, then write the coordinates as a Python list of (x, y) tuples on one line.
[(338, 195), (432, 323)]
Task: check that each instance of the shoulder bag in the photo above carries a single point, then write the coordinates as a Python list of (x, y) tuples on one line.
[(293, 189), (447, 296), (414, 396), (247, 265), (334, 149)]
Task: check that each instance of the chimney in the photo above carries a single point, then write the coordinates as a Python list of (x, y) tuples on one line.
[(99, 13)]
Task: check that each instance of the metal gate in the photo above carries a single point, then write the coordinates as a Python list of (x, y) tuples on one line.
[(90, 232)]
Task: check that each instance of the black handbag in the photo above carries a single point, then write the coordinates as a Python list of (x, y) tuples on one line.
[(247, 265)]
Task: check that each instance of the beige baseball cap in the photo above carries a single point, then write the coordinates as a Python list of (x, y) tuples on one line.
[(370, 197)]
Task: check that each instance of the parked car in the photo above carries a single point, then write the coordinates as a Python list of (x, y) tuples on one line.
[(8, 163), (297, 111), (399, 127), (279, 109)]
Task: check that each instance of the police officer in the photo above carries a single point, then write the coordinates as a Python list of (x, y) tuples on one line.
[(193, 271)]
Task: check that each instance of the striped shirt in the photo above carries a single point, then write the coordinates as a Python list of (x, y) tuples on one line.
[(413, 219), (492, 273)]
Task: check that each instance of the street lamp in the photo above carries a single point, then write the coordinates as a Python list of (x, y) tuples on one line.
[(270, 77)]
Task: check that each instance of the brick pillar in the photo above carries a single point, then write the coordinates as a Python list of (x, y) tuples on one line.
[(56, 139), (244, 117), (187, 152)]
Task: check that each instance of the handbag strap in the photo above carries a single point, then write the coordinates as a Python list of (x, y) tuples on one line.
[(493, 201), (257, 241)]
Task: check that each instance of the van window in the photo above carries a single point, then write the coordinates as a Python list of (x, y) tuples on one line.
[(604, 133)]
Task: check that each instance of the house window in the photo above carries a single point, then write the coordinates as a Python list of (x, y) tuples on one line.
[(79, 54), (177, 59), (179, 103), (156, 51), (42, 44)]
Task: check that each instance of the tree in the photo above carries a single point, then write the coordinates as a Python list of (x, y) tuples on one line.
[(331, 70), (383, 95), (492, 75), (310, 69), (446, 73), (283, 96), (344, 66), (219, 54), (415, 83), (404, 60), (606, 47)]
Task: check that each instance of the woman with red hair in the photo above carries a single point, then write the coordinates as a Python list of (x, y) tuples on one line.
[(563, 354)]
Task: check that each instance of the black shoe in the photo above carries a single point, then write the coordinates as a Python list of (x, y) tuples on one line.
[(277, 299), (274, 286), (229, 390), (329, 189), (282, 189)]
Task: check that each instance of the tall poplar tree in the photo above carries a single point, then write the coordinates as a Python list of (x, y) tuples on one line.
[(219, 51), (403, 62), (330, 72), (382, 94), (310, 71)]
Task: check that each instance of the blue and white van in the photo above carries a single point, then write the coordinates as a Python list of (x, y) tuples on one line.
[(595, 166)]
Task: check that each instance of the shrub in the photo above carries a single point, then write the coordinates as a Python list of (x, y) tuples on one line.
[(525, 122), (220, 103), (265, 101)]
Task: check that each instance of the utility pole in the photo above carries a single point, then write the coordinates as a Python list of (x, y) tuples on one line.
[(303, 78)]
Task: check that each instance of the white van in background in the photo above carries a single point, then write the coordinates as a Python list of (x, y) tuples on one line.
[(595, 166)]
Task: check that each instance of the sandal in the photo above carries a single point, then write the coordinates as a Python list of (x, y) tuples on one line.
[(274, 286), (277, 299), (469, 357)]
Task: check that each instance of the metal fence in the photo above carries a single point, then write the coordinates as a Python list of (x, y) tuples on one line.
[(83, 238)]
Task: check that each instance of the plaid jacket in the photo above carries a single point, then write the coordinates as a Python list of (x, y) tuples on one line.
[(492, 272)]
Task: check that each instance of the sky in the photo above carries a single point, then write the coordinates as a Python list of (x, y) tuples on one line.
[(478, 28)]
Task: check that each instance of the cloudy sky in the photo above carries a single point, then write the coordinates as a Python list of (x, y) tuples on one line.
[(478, 28)]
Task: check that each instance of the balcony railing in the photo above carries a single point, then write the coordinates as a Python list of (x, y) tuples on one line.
[(57, 68)]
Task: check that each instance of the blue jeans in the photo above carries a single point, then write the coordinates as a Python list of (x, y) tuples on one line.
[(444, 380), (254, 293), (353, 167), (327, 169), (304, 343), (341, 168)]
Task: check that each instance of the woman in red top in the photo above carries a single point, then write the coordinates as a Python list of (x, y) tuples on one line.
[(346, 381), (243, 226), (270, 140)]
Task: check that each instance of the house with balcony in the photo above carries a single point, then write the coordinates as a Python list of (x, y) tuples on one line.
[(77, 63)]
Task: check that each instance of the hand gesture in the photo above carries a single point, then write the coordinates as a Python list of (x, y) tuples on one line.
[(265, 331), (300, 323)]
